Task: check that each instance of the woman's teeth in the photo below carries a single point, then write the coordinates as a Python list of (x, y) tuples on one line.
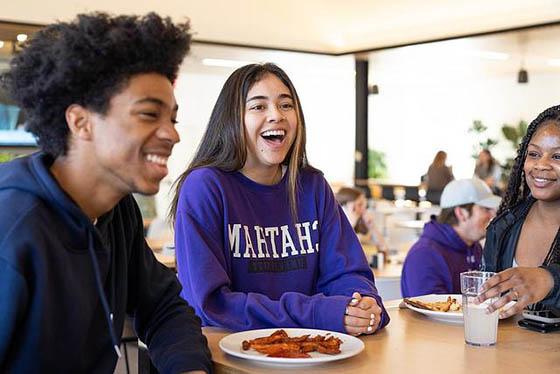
[(160, 160), (269, 133)]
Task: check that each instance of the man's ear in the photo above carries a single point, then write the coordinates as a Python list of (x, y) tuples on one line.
[(78, 119), (462, 214)]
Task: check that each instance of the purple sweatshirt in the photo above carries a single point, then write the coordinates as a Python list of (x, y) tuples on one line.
[(245, 265), (435, 261)]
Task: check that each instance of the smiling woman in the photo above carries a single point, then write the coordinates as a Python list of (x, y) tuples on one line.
[(260, 239), (523, 242)]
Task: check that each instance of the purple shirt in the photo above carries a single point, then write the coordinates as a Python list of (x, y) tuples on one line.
[(433, 264), (245, 264)]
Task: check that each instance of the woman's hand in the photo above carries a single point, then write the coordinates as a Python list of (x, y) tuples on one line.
[(362, 316), (524, 284)]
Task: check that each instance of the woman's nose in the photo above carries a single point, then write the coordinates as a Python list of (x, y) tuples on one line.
[(543, 163), (275, 114)]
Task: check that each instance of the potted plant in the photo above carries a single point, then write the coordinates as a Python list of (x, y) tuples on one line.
[(514, 134)]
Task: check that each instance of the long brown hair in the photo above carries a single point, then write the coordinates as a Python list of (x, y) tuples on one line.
[(439, 159), (224, 145)]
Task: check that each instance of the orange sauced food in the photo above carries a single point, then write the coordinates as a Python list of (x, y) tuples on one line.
[(279, 344)]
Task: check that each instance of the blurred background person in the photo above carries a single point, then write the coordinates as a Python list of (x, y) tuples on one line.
[(437, 177), (524, 240), (354, 205), (449, 245), (489, 170)]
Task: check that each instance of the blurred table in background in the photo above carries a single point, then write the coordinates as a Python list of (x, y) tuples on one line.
[(157, 246), (387, 277)]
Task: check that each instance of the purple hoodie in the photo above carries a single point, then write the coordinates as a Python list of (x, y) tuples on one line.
[(435, 261), (245, 264)]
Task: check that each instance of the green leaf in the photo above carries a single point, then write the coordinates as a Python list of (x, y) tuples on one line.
[(376, 164), (510, 133), (522, 128)]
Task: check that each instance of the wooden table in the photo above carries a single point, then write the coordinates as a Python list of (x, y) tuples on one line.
[(415, 224), (157, 245), (412, 343)]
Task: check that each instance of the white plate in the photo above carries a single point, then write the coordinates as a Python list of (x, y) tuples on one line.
[(451, 317), (231, 344)]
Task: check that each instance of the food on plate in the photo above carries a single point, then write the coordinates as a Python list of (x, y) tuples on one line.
[(450, 305), (279, 344)]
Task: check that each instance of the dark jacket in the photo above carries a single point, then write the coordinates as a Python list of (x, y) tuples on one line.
[(501, 242), (57, 270), (433, 264)]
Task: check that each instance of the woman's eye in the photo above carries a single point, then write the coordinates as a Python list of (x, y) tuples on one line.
[(257, 107), (532, 154), (556, 157), (287, 106)]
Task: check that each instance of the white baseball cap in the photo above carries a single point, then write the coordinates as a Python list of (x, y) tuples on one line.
[(468, 191)]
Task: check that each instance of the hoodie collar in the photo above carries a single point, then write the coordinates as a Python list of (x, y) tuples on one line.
[(445, 235)]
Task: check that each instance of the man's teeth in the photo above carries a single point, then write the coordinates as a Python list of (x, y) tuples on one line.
[(274, 133), (160, 160)]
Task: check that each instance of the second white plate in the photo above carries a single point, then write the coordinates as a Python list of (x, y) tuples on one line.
[(451, 317)]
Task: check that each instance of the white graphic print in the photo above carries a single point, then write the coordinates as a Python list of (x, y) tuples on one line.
[(267, 238)]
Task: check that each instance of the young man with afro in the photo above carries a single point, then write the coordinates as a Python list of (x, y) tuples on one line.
[(98, 96)]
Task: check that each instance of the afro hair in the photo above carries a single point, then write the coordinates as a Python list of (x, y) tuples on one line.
[(86, 62)]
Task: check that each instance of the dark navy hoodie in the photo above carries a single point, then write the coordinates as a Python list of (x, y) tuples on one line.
[(57, 270)]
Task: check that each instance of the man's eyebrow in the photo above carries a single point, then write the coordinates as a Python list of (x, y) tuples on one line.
[(156, 101)]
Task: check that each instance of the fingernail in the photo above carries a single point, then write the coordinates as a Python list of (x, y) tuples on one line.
[(371, 322), (372, 316), (369, 329), (354, 301), (346, 311)]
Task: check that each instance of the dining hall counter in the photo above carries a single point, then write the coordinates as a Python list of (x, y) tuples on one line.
[(412, 343)]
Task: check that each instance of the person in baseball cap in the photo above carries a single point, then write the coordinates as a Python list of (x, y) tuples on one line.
[(449, 244)]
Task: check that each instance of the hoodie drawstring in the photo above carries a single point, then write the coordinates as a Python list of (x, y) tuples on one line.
[(101, 292)]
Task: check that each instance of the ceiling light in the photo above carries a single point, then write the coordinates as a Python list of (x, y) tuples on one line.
[(554, 62), (225, 63), (522, 76), (373, 89), (21, 37)]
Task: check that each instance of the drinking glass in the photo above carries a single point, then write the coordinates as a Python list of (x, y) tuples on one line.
[(481, 327)]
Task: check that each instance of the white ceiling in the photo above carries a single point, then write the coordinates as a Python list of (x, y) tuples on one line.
[(328, 26), (536, 50)]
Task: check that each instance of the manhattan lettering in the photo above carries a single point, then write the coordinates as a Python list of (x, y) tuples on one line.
[(272, 242)]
